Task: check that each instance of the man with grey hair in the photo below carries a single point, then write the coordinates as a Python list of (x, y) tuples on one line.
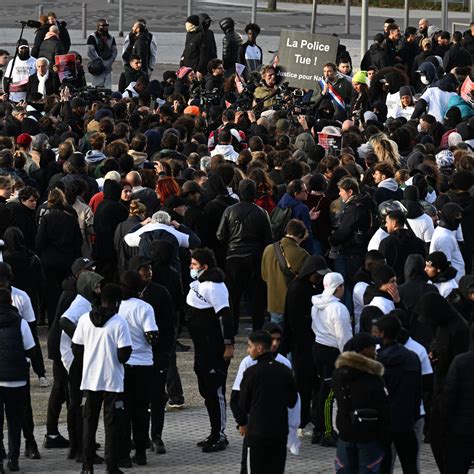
[(146, 195), (44, 82), (162, 227), (40, 143)]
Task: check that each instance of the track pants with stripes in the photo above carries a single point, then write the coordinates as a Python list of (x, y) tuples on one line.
[(324, 359), (211, 370)]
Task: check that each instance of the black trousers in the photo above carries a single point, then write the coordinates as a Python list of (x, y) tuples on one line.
[(174, 388), (268, 457), (12, 402), (307, 383), (74, 411), (459, 453), (113, 415), (136, 398), (324, 358), (406, 447), (437, 439), (59, 395), (243, 276), (211, 370), (158, 401), (27, 423), (52, 291)]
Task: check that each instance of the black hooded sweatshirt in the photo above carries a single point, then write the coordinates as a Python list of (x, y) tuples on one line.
[(110, 213), (460, 299)]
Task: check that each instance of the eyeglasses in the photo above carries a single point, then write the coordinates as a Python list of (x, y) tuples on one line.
[(104, 25)]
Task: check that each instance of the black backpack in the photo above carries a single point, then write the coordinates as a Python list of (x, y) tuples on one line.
[(279, 219)]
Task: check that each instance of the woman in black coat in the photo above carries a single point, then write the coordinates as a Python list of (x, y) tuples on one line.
[(58, 242), (28, 274)]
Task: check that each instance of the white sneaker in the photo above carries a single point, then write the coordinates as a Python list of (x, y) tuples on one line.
[(43, 382)]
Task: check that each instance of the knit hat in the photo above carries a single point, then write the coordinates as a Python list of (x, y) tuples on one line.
[(445, 159), (382, 274), (438, 260), (116, 95), (81, 263), (24, 140), (282, 125), (406, 90), (369, 115), (113, 175), (360, 77), (183, 71), (192, 110), (331, 282), (193, 19)]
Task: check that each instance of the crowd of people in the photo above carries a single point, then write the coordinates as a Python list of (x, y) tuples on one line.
[(339, 219)]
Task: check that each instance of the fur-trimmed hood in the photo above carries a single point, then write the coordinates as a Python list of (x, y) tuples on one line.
[(359, 362)]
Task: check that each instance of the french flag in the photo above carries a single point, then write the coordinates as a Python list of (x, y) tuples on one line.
[(336, 98)]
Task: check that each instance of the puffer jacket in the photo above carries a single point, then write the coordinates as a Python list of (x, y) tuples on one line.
[(230, 46)]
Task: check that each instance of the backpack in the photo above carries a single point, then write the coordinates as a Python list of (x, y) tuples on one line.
[(279, 219)]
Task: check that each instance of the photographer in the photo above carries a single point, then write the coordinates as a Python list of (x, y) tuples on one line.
[(215, 79), (266, 93)]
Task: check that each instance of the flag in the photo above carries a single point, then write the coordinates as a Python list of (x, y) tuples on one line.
[(335, 97)]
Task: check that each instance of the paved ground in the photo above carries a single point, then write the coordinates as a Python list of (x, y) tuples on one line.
[(182, 430)]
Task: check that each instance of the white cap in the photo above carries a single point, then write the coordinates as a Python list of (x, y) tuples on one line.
[(113, 175), (331, 282), (454, 138)]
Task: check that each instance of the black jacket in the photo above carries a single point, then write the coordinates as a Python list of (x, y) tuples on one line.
[(352, 235), (375, 56), (267, 390), (230, 49), (358, 384), (245, 229), (110, 213), (52, 84), (451, 334), (140, 45), (50, 48), (397, 247), (468, 43), (129, 75), (250, 65), (41, 33), (457, 409), (460, 300), (23, 218), (404, 384), (13, 364), (408, 52), (456, 56), (195, 54), (59, 239)]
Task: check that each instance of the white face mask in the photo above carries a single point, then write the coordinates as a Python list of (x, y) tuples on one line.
[(419, 129), (424, 80)]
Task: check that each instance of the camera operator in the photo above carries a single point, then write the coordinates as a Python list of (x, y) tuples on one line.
[(215, 79), (267, 91)]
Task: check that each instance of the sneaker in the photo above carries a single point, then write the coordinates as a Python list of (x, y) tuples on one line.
[(31, 452), (213, 445), (43, 382), (125, 462), (139, 459), (180, 347), (12, 465), (113, 470), (159, 446), (55, 442), (201, 443), (176, 404), (328, 441)]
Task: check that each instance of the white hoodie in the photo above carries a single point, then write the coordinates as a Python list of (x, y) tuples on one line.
[(331, 321), (227, 151)]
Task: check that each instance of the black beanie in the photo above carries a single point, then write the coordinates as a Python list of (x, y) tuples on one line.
[(193, 19), (411, 193), (382, 274), (360, 342), (438, 260)]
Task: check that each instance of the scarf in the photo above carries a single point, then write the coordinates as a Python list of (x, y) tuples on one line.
[(42, 83)]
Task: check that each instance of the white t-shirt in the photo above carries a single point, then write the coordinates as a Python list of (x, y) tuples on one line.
[(141, 319), (445, 288), (445, 240), (437, 101), (358, 300), (21, 72), (422, 227), (426, 368), (102, 370), (22, 303), (384, 304), (208, 294), (76, 310), (133, 239), (28, 343)]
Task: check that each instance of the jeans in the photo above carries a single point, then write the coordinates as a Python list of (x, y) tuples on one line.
[(347, 266), (276, 318), (358, 458)]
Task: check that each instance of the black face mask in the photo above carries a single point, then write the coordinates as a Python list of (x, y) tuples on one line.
[(24, 54)]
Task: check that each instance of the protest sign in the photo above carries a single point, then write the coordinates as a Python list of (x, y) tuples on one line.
[(66, 66), (302, 56)]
